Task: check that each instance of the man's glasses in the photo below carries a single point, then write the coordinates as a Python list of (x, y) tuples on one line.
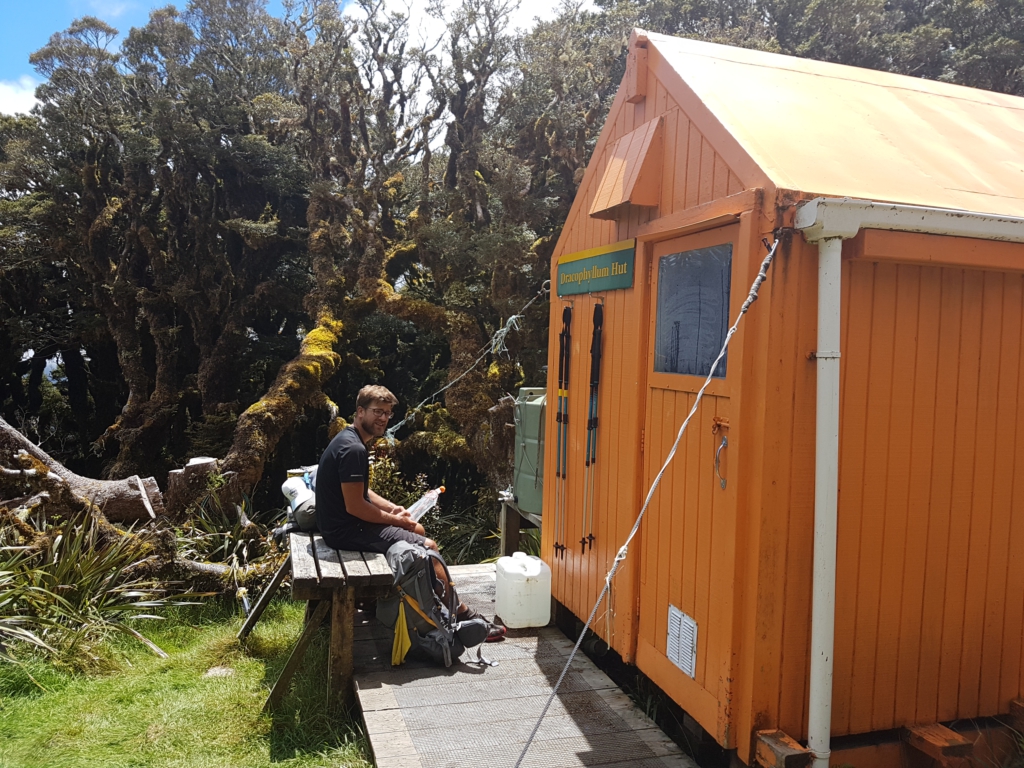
[(378, 412)]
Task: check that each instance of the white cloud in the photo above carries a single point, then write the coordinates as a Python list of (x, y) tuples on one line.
[(111, 9), (17, 95), (426, 28)]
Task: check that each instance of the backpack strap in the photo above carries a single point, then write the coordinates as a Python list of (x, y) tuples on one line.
[(415, 606), (482, 660)]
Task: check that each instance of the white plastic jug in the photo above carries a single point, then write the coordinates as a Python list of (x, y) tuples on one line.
[(523, 591)]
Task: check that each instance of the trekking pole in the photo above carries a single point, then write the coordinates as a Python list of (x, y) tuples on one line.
[(587, 531), (566, 313), (564, 447)]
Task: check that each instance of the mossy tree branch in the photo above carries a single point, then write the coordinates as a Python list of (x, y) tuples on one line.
[(298, 383)]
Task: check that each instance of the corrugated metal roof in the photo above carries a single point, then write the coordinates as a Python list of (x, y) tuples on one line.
[(831, 129)]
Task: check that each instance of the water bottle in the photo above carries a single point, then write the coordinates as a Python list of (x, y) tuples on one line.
[(425, 503)]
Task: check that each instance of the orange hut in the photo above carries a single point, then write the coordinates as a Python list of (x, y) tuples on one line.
[(867, 424)]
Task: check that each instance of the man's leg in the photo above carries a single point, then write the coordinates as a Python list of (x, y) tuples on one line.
[(463, 612), (441, 585)]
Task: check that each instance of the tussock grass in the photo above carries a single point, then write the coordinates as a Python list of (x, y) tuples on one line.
[(164, 713)]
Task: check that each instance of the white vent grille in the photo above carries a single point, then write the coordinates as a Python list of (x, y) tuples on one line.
[(682, 641)]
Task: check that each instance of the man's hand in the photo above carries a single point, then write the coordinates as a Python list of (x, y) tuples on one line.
[(404, 519)]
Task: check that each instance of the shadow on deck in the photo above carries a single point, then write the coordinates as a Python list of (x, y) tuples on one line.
[(423, 716)]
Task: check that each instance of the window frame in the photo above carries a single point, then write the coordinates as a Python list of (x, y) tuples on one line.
[(686, 382)]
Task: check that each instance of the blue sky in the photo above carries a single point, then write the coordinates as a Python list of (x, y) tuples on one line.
[(28, 24)]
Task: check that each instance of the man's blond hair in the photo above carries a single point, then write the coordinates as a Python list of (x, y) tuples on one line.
[(374, 393)]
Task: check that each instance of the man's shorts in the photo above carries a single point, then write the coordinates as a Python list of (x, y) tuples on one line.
[(374, 537)]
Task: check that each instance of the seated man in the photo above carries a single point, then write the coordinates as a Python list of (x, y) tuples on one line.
[(349, 514)]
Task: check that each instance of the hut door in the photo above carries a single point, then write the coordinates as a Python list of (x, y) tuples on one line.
[(687, 563)]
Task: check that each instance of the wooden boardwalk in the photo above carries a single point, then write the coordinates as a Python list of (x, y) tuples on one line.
[(422, 716)]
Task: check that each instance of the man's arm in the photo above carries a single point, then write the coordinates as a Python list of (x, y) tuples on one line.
[(384, 505), (372, 511)]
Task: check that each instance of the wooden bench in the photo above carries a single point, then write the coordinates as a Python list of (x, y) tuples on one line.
[(329, 580)]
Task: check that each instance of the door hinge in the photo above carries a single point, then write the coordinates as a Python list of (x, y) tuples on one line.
[(643, 434)]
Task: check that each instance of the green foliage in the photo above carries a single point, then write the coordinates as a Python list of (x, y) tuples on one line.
[(980, 44), (387, 480), (529, 541), (184, 206), (16, 623), (1010, 757), (75, 586), (164, 713), (213, 534)]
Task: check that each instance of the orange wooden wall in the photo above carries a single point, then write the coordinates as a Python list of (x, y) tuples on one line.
[(693, 174), (932, 467), (578, 578), (930, 588), (930, 583)]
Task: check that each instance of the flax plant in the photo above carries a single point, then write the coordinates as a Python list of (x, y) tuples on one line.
[(75, 586), (14, 625), (215, 535)]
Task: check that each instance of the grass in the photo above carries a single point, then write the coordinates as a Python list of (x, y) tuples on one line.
[(166, 713)]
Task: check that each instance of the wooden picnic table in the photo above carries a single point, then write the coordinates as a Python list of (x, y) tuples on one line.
[(329, 580)]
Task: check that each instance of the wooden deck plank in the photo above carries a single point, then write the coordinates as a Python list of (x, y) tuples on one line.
[(602, 750), (464, 571), (331, 573), (562, 725), (377, 640), (355, 566), (433, 676), (303, 568), (590, 722), (378, 568)]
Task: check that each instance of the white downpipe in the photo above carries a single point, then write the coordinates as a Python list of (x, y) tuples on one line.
[(826, 492), (827, 222)]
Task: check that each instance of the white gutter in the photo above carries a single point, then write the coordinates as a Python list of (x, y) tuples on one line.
[(827, 222)]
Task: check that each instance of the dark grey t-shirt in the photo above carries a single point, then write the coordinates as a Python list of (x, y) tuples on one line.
[(345, 460)]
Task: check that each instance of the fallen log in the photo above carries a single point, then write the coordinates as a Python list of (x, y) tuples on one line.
[(210, 569), (131, 500), (254, 573)]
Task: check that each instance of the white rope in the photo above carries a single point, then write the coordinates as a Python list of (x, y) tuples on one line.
[(495, 346), (624, 550)]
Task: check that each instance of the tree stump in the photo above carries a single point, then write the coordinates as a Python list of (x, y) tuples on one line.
[(186, 486)]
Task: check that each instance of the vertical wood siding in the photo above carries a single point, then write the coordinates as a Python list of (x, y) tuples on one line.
[(682, 527), (692, 174), (930, 582), (784, 512), (924, 620)]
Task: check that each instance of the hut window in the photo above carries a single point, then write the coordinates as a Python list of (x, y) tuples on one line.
[(693, 310)]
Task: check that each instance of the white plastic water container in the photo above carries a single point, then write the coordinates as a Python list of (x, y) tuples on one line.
[(523, 591)]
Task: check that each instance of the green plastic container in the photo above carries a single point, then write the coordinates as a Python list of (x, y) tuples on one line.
[(528, 477)]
